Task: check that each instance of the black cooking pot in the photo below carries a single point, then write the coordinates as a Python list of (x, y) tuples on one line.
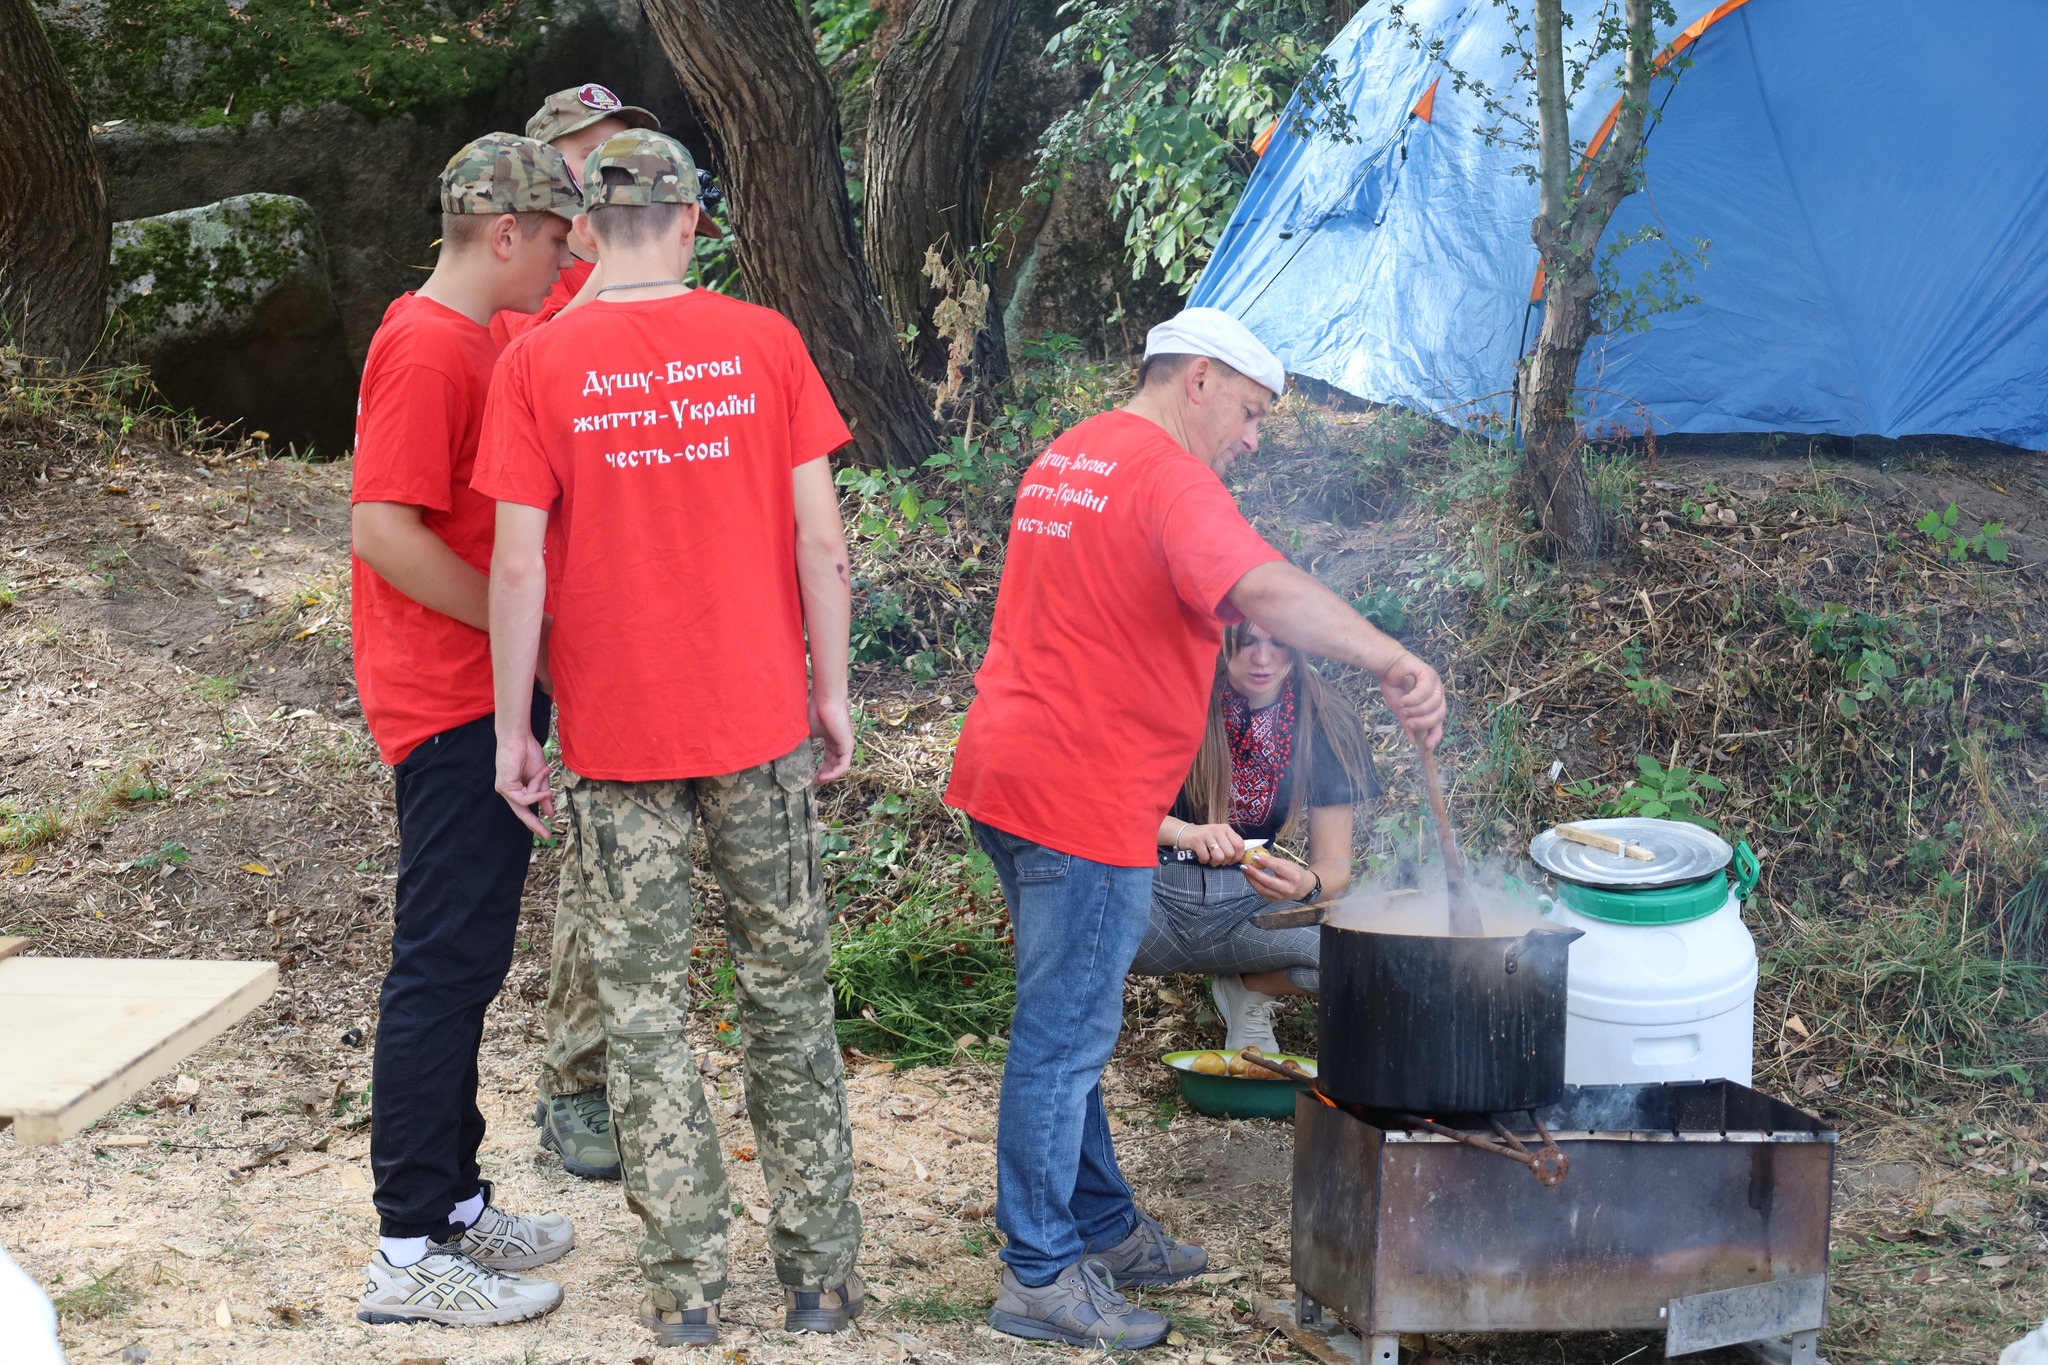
[(1439, 1024)]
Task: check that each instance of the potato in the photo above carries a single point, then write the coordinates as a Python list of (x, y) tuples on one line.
[(1240, 1067), (1209, 1064)]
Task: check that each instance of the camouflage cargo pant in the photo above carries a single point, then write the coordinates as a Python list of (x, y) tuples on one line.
[(626, 880), (573, 1059)]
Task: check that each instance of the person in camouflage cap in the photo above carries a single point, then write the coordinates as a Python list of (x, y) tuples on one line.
[(673, 442), (572, 1112), (506, 173), (421, 552)]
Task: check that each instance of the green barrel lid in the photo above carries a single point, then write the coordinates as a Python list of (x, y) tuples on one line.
[(1662, 904)]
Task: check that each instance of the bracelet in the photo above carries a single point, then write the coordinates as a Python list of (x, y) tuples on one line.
[(1315, 893), (1184, 826)]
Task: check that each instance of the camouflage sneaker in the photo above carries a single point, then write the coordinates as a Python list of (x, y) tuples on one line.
[(579, 1126), (449, 1288), (1149, 1257), (1081, 1306), (680, 1327), (505, 1241), (830, 1311)]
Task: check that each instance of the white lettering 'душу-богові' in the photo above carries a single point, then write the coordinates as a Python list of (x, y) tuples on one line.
[(595, 384), (681, 372)]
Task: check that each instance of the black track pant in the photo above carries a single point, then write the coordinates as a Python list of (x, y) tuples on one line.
[(462, 859)]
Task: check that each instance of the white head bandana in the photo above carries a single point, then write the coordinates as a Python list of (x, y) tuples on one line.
[(1214, 333)]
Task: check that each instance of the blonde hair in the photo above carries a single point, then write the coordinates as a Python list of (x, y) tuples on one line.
[(1317, 710)]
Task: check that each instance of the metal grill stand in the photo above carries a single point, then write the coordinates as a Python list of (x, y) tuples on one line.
[(1699, 1209)]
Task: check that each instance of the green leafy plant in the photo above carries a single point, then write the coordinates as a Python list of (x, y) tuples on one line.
[(1862, 644), (171, 854), (1940, 527), (929, 974), (1385, 608), (1182, 93), (1658, 793), (1648, 691)]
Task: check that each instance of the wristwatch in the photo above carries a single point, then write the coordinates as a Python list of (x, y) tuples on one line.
[(1315, 893)]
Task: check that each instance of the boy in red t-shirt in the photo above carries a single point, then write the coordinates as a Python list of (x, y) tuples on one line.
[(422, 542), (1127, 556), (676, 439)]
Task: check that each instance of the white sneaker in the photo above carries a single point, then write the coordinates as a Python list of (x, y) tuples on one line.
[(450, 1288), (498, 1240), (1247, 1015)]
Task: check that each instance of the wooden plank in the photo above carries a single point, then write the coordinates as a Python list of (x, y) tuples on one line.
[(84, 1034), (10, 946)]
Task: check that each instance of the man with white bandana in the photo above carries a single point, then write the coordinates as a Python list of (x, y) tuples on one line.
[(1127, 557)]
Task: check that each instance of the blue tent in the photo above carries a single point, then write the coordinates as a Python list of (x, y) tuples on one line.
[(1871, 177)]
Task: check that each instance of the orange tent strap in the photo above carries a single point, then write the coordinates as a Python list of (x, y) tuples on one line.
[(1259, 142), (1426, 106)]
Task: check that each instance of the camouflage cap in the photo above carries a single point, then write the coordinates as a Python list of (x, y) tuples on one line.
[(661, 171), (506, 173), (571, 111)]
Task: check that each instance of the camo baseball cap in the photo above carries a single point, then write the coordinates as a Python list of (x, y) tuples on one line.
[(661, 170), (506, 173), (570, 111)]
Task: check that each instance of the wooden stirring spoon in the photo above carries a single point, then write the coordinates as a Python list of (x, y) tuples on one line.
[(1464, 914)]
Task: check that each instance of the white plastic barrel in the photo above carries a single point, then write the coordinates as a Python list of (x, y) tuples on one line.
[(1659, 1002)]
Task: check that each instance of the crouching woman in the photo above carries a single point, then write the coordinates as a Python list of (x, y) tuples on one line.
[(1284, 757)]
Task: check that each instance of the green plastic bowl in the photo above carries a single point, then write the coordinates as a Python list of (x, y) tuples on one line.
[(1235, 1097)]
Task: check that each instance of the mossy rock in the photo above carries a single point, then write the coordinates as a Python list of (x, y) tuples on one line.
[(231, 307), (198, 270)]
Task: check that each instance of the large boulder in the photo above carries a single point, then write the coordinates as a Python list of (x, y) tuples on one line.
[(231, 306)]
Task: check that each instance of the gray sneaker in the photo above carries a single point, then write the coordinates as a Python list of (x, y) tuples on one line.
[(680, 1327), (830, 1311), (452, 1289), (1081, 1307), (1148, 1256), (579, 1126), (505, 1241)]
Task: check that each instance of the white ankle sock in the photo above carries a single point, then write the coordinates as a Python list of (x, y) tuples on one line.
[(403, 1251), (468, 1211)]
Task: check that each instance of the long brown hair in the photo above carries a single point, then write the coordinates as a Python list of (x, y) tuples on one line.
[(1317, 710)]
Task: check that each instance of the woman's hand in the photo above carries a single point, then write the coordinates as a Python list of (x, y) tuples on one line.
[(1213, 845), (1277, 878)]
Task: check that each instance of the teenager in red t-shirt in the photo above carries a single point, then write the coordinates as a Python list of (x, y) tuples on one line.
[(574, 122), (659, 461), (1126, 559), (573, 1114), (422, 542)]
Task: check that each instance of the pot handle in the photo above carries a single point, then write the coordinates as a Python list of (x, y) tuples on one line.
[(1511, 961), (1747, 870)]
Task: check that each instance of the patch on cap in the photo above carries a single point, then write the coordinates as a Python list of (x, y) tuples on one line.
[(573, 110), (506, 173)]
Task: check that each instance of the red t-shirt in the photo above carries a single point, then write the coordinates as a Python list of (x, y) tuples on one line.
[(417, 421), (506, 325), (1092, 699), (660, 435)]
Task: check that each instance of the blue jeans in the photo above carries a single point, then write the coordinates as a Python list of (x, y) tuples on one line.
[(1077, 925)]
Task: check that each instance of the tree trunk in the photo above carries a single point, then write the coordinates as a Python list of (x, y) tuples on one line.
[(749, 69), (1553, 479), (923, 167), (1570, 219), (54, 229)]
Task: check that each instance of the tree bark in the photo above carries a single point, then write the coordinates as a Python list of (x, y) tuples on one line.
[(749, 69), (923, 167), (54, 228), (1567, 232)]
